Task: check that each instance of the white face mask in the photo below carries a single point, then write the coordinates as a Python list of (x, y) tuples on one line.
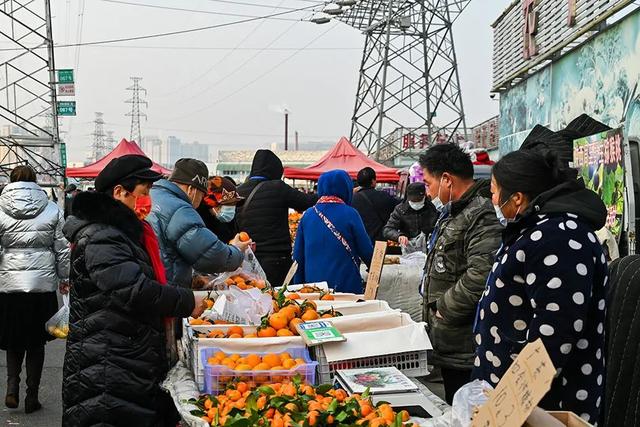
[(504, 220), (416, 206), (437, 203), (226, 213)]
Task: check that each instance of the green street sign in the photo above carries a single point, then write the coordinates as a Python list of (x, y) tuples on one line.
[(63, 155), (65, 76), (66, 108)]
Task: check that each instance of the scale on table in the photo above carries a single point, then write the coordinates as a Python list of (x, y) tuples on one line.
[(388, 385)]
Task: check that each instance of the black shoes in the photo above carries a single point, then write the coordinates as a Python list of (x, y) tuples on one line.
[(31, 404)]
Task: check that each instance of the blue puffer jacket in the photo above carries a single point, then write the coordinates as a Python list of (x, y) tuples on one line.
[(319, 253), (185, 242)]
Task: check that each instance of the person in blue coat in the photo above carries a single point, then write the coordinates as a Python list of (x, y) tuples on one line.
[(548, 282), (331, 240), (185, 242)]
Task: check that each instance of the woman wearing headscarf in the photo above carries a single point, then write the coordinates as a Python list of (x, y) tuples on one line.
[(331, 240), (548, 281), (34, 262), (118, 349), (218, 208)]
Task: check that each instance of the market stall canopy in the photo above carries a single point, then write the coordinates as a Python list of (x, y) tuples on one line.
[(346, 157), (125, 147)]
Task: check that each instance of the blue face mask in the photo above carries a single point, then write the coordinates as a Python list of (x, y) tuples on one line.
[(226, 213), (437, 203), (501, 218)]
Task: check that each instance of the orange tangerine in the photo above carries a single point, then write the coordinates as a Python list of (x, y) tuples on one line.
[(289, 363), (262, 367), (271, 359), (235, 330), (253, 360), (284, 333), (235, 336), (234, 357), (243, 367), (285, 356), (267, 332)]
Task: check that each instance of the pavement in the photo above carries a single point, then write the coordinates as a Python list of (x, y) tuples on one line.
[(50, 391)]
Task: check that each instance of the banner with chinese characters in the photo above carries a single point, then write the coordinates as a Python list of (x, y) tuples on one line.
[(600, 162)]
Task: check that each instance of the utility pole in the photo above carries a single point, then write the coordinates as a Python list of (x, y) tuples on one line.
[(136, 114), (286, 129), (98, 148), (296, 134)]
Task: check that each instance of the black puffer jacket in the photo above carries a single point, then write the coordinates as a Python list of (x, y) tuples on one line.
[(266, 216), (375, 208), (405, 221), (116, 345)]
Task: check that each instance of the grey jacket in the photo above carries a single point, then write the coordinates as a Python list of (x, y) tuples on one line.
[(34, 254)]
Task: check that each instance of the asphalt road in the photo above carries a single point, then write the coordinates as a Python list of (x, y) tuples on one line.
[(50, 391)]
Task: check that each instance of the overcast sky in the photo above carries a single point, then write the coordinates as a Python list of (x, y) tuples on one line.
[(227, 86)]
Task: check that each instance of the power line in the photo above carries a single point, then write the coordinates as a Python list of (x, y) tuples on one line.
[(180, 9), (240, 3), (187, 31), (177, 32), (239, 67), (269, 71), (215, 64), (207, 48)]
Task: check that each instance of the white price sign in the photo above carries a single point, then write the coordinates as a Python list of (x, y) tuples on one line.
[(67, 89)]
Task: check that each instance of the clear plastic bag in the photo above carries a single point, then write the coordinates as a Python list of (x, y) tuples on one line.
[(250, 270), (467, 400), (414, 258), (417, 244), (58, 325), (243, 307)]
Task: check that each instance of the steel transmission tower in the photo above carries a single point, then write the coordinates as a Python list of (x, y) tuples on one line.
[(110, 141), (99, 146), (29, 132), (408, 82), (135, 114)]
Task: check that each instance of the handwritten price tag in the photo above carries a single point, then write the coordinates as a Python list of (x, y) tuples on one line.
[(520, 389)]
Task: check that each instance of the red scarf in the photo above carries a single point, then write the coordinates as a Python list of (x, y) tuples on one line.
[(331, 199), (150, 243)]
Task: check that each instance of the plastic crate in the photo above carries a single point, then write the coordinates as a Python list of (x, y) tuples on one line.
[(411, 363), (216, 377)]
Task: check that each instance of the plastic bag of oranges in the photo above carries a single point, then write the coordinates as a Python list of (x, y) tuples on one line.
[(58, 325), (249, 275)]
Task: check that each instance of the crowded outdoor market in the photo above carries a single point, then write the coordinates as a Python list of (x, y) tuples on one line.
[(416, 272)]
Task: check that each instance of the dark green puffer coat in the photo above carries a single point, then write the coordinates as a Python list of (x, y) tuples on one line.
[(465, 241)]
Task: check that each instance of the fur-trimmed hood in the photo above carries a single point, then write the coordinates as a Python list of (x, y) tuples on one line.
[(98, 208)]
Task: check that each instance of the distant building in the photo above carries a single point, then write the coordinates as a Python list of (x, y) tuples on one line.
[(237, 164)]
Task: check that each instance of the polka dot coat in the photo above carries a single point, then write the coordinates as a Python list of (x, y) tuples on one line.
[(548, 282)]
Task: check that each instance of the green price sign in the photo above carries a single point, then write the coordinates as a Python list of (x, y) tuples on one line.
[(63, 155), (65, 76), (66, 108)]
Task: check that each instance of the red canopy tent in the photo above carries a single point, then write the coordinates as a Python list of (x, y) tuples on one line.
[(125, 147), (346, 157)]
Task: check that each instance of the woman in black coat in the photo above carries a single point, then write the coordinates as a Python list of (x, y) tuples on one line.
[(116, 350)]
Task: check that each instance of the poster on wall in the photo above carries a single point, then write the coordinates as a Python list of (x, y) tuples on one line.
[(600, 162)]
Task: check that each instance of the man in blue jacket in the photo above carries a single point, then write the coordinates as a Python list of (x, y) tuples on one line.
[(185, 242)]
